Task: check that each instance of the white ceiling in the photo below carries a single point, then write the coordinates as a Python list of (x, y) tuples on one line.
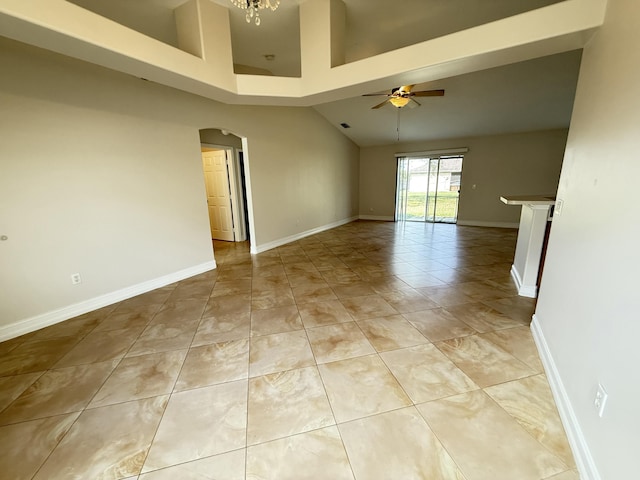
[(532, 95), (377, 26), (372, 26), (278, 34), (526, 96)]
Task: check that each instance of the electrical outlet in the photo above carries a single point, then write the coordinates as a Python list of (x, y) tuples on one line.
[(557, 210), (601, 399), (75, 279)]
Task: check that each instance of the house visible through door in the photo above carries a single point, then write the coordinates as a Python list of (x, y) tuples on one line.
[(216, 176), (428, 188)]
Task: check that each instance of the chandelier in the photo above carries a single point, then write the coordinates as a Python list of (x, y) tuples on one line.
[(254, 6)]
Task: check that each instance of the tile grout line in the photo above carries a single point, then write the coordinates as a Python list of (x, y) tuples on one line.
[(148, 449), (347, 239), (246, 423), (84, 409), (324, 387)]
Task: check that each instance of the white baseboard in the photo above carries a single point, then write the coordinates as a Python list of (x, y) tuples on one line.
[(516, 277), (582, 455), (50, 318), (292, 238), (523, 290), (468, 223), (479, 223), (528, 291), (383, 218)]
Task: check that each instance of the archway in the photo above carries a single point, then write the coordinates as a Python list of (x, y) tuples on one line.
[(232, 177)]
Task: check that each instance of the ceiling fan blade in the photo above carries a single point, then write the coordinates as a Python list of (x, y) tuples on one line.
[(380, 105), (414, 103), (428, 93), (375, 94), (406, 88)]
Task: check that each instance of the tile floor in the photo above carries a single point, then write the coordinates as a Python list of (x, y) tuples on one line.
[(370, 351)]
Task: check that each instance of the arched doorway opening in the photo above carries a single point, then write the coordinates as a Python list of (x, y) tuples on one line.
[(226, 176)]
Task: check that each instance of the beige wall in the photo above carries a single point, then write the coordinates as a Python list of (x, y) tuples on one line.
[(101, 174), (306, 171), (588, 307), (525, 163)]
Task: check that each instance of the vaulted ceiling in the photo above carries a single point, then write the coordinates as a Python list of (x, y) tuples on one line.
[(372, 26), (505, 65)]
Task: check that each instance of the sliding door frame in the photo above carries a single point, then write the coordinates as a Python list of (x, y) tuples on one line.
[(403, 177)]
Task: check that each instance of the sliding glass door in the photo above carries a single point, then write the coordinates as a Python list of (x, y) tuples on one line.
[(428, 188)]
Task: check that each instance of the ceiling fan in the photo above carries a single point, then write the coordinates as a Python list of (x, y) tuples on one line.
[(402, 96)]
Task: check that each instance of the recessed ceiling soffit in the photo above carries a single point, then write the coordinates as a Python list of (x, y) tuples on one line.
[(204, 64)]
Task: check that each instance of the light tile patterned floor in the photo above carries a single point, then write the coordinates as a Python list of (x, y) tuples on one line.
[(370, 351)]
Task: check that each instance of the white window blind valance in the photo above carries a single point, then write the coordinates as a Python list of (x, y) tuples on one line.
[(432, 153)]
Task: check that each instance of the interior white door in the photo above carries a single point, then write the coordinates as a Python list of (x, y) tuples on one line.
[(216, 176)]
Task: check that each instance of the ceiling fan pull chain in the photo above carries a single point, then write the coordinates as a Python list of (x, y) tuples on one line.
[(398, 125)]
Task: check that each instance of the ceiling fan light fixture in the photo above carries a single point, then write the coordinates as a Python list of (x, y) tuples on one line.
[(399, 102), (253, 8)]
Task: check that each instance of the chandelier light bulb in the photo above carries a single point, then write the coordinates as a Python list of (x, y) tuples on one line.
[(253, 6)]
